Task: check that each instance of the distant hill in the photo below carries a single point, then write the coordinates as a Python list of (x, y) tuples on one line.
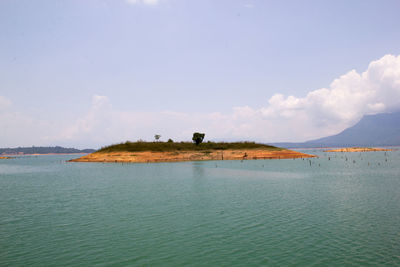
[(43, 150), (372, 130)]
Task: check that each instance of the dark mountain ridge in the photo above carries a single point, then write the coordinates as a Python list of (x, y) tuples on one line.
[(43, 150), (372, 130)]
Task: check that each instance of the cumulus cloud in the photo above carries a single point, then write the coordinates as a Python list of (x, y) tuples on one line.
[(145, 2), (319, 113), (345, 101)]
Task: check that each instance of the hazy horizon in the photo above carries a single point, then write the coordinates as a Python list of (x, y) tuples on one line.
[(86, 74)]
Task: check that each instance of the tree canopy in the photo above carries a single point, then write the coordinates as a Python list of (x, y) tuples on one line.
[(198, 138)]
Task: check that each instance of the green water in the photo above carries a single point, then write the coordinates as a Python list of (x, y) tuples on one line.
[(342, 209)]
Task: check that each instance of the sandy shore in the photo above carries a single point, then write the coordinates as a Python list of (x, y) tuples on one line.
[(7, 157), (358, 149), (148, 156)]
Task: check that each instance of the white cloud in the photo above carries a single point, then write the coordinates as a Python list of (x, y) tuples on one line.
[(319, 113), (145, 2), (345, 101)]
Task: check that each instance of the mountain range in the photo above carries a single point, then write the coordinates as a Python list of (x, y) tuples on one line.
[(372, 130), (43, 150)]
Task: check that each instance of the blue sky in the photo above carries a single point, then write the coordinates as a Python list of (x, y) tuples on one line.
[(88, 73)]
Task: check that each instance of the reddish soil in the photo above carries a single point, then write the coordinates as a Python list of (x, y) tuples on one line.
[(148, 156)]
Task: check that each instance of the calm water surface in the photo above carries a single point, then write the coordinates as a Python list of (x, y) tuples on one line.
[(339, 209)]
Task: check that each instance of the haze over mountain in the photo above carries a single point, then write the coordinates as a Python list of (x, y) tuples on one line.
[(43, 150), (372, 130)]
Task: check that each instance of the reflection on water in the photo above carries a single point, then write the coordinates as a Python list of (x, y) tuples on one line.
[(198, 169)]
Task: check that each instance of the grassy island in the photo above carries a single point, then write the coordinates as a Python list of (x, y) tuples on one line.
[(182, 146), (185, 151)]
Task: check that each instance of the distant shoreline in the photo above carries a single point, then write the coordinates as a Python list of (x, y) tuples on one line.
[(42, 150), (358, 149), (20, 155)]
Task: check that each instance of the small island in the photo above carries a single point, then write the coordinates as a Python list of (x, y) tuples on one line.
[(358, 149), (145, 152)]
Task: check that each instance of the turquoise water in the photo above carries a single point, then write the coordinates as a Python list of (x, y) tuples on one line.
[(339, 209)]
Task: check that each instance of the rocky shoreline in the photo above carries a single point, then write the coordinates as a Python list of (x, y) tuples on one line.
[(177, 156)]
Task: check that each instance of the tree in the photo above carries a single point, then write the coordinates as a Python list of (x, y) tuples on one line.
[(170, 140), (198, 138), (157, 137)]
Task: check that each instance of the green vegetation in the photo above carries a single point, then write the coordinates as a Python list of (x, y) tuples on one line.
[(198, 138), (183, 146)]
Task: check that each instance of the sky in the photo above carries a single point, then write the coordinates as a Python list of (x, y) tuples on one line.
[(89, 73)]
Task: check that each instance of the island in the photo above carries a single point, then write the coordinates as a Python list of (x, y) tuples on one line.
[(146, 152), (358, 149)]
